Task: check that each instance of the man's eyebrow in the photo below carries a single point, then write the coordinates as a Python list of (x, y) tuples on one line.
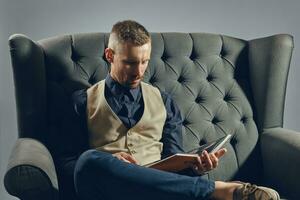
[(134, 60), (130, 60)]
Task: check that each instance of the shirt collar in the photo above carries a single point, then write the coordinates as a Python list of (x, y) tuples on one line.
[(117, 89)]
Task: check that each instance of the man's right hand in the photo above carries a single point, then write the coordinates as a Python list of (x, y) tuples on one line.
[(125, 157)]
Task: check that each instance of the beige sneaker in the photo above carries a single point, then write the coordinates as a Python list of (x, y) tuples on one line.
[(253, 192)]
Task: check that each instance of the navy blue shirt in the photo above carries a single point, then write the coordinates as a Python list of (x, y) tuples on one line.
[(128, 104)]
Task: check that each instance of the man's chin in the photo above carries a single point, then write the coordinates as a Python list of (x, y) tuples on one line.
[(134, 84)]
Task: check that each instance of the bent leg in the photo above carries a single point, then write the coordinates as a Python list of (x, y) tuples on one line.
[(99, 175)]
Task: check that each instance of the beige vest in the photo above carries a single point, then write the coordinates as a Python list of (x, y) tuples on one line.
[(107, 132)]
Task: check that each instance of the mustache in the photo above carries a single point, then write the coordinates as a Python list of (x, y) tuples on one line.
[(136, 78)]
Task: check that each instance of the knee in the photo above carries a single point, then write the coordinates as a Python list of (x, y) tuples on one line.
[(83, 166), (87, 171), (89, 160)]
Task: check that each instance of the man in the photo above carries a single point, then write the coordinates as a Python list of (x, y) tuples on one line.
[(130, 123)]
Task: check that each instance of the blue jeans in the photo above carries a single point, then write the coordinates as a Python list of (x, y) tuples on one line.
[(99, 175)]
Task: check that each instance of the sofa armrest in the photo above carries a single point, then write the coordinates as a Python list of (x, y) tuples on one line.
[(281, 159), (31, 172), (28, 64), (269, 63)]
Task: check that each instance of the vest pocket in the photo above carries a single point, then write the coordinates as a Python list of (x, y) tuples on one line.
[(101, 139)]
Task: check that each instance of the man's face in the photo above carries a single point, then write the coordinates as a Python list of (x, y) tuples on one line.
[(128, 63)]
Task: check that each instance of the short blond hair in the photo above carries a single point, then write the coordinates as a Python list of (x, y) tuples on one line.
[(128, 31)]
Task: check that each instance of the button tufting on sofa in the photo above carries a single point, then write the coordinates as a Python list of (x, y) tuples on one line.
[(180, 79), (209, 78), (152, 80), (185, 122), (199, 99), (227, 97), (243, 119), (215, 120)]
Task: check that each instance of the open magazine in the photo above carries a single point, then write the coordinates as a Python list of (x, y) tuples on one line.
[(180, 161)]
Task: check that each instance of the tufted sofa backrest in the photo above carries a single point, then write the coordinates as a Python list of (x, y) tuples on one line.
[(206, 74)]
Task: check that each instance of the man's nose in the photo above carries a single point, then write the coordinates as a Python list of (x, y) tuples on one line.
[(138, 70)]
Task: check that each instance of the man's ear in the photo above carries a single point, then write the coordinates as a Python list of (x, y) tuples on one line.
[(109, 55)]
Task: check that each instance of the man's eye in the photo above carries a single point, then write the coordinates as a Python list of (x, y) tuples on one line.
[(130, 62), (135, 63)]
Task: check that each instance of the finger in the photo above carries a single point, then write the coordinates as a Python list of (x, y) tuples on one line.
[(199, 165), (204, 161), (214, 160), (220, 152), (198, 161), (196, 170), (125, 160), (196, 166), (118, 156), (129, 157), (208, 162), (204, 165), (190, 165)]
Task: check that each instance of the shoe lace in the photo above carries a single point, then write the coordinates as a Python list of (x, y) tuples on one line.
[(248, 189)]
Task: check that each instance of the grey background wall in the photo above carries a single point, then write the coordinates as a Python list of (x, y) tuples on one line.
[(239, 18)]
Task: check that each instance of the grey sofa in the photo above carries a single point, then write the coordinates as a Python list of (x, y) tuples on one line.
[(222, 85)]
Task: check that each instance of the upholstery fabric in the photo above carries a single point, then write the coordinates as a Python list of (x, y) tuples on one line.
[(24, 166), (280, 151), (222, 85)]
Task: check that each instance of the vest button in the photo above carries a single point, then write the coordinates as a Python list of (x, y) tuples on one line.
[(133, 151), (130, 145)]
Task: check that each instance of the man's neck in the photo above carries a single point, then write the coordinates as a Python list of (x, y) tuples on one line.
[(117, 88)]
